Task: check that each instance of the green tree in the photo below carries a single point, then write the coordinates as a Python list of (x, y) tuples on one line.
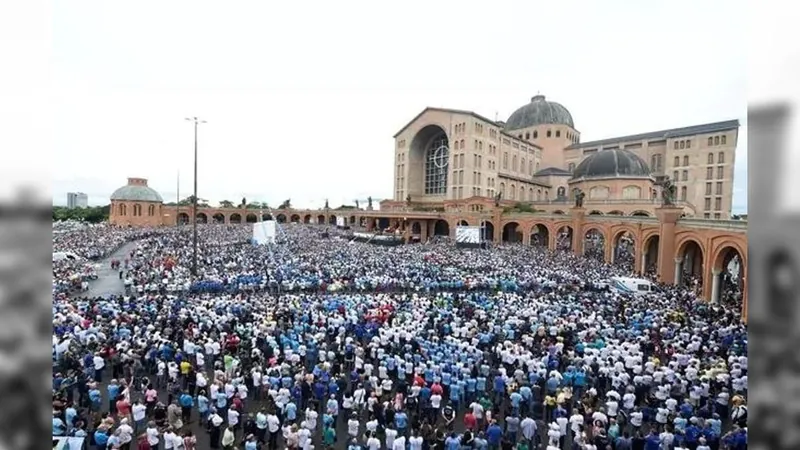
[(226, 204), (188, 201), (93, 214)]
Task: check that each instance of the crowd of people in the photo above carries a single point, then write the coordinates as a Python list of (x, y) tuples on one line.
[(323, 342)]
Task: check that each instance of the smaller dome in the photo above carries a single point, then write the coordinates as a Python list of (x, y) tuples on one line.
[(612, 163), (137, 191)]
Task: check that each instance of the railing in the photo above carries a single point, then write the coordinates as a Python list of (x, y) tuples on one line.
[(715, 224)]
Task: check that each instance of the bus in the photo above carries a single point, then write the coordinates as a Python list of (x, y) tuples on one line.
[(628, 285)]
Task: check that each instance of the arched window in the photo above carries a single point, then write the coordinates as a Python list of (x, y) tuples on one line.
[(455, 145), (535, 134), (724, 140), (530, 194), (437, 156), (683, 193), (562, 192), (151, 210), (675, 145), (513, 191), (503, 189), (571, 167), (710, 141), (121, 209), (537, 166), (137, 210), (549, 133), (683, 144), (539, 194), (711, 158), (721, 157), (514, 163), (677, 161), (522, 193), (558, 133), (527, 136), (716, 140), (686, 160)]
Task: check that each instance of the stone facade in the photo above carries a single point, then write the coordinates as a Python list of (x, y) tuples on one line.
[(484, 158)]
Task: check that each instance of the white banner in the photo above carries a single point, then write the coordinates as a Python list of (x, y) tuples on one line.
[(376, 237), (340, 222), (264, 232), (468, 235)]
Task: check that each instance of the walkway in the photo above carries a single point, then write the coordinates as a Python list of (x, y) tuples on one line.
[(108, 282)]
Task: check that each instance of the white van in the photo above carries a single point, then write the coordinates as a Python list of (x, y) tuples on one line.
[(635, 286)]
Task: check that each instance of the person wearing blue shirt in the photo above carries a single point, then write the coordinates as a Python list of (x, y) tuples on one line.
[(452, 442), (113, 392), (95, 397), (101, 437), (470, 390), (290, 412), (652, 441), (202, 404), (455, 396), (499, 388), (480, 384), (186, 402), (494, 434), (401, 422), (516, 399), (59, 427)]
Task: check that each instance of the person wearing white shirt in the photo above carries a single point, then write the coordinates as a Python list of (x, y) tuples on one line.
[(352, 426), (399, 443), (171, 439), (304, 438), (139, 411), (415, 442), (152, 434), (233, 417), (390, 435), (576, 421)]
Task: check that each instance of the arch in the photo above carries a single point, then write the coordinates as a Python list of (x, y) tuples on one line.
[(307, 218), (202, 217), (416, 228), (332, 220), (558, 212), (295, 218), (281, 218), (137, 209), (561, 192), (690, 253), (352, 220), (594, 244), (151, 210), (615, 212), (640, 214), (650, 254), (218, 218), (320, 220), (123, 209), (564, 238), (382, 223), (235, 218), (540, 235), (266, 216), (595, 212), (730, 261), (183, 218), (463, 223), (623, 244), (251, 218), (512, 232), (488, 231), (430, 148), (441, 228)]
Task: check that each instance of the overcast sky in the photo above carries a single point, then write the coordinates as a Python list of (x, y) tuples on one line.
[(302, 99)]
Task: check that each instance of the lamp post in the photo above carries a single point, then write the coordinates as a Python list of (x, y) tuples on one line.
[(196, 122)]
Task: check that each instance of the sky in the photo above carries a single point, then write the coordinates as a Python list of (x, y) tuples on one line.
[(302, 99)]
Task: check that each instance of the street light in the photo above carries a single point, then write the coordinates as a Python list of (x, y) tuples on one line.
[(196, 122)]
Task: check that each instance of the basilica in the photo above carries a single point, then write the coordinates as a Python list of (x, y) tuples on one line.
[(447, 158)]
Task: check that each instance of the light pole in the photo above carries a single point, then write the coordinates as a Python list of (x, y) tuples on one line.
[(196, 122)]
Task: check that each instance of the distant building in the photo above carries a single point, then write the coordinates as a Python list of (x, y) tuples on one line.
[(77, 200)]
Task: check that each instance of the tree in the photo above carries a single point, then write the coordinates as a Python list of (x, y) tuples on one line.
[(189, 201), (287, 204), (257, 205), (226, 204), (93, 214)]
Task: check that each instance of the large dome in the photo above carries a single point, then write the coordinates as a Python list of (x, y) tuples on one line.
[(137, 191), (539, 111), (612, 163)]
